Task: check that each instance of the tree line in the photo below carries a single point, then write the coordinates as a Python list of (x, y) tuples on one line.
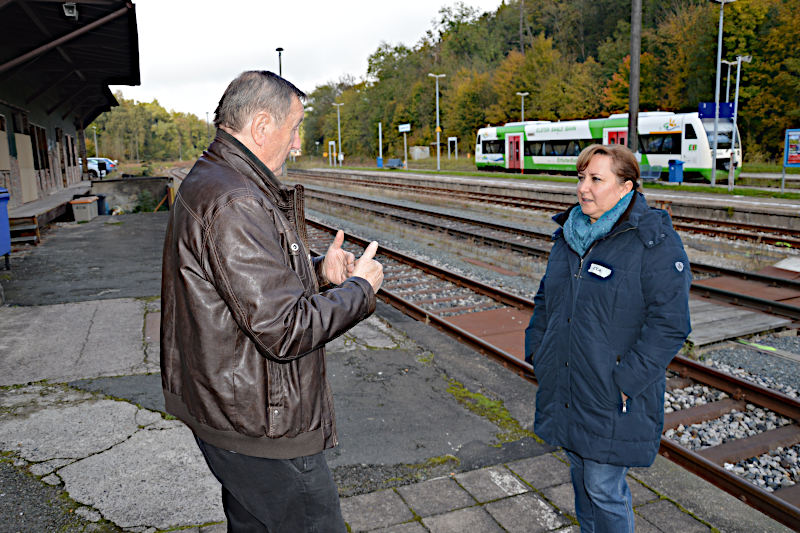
[(572, 57), (145, 131)]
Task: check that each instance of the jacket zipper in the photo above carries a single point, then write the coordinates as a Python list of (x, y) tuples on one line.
[(579, 277)]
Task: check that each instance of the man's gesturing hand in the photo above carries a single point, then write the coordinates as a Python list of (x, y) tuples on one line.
[(368, 268), (338, 264)]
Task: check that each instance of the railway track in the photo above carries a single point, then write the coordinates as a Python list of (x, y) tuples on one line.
[(537, 244), (727, 229), (463, 307)]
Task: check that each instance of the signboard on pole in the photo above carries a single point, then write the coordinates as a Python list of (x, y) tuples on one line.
[(404, 128), (791, 152)]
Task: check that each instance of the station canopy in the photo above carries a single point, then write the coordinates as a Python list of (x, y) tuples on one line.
[(61, 57)]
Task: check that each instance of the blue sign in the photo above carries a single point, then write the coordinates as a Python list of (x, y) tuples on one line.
[(791, 150), (706, 110)]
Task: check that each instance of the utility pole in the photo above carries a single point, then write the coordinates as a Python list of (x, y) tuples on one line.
[(438, 128), (521, 12), (633, 82)]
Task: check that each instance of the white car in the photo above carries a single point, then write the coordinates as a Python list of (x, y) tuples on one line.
[(93, 168)]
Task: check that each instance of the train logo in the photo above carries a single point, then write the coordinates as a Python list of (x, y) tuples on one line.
[(670, 124)]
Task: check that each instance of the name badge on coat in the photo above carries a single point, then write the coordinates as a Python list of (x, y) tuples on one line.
[(599, 270)]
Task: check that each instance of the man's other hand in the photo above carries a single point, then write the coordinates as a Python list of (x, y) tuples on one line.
[(338, 264), (369, 269)]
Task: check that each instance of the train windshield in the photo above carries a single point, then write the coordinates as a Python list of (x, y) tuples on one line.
[(724, 131)]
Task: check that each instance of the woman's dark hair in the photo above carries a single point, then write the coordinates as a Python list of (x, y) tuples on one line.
[(254, 91), (623, 162)]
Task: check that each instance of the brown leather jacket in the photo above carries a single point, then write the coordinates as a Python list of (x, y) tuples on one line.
[(243, 322)]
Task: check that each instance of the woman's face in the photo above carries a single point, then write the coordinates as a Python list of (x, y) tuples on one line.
[(598, 188)]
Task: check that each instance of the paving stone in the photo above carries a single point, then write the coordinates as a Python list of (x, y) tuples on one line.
[(667, 517), (542, 471), (526, 513), (563, 497), (48, 467), (643, 526), (69, 432), (491, 483), (639, 493), (377, 509), (408, 527), (435, 496), (88, 513), (462, 521), (156, 478)]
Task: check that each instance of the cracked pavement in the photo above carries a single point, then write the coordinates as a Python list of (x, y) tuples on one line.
[(81, 409)]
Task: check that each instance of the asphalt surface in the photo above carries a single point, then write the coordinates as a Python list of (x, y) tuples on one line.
[(85, 445), (75, 312)]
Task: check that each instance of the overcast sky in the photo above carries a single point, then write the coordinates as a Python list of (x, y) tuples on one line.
[(189, 50)]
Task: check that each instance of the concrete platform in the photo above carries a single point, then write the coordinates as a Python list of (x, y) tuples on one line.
[(83, 434)]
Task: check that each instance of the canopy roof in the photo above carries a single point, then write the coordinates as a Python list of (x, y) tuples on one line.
[(61, 57)]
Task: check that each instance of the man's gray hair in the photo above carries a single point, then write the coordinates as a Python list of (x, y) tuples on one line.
[(254, 91)]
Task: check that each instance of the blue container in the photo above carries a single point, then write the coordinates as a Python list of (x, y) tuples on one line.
[(675, 171), (102, 208), (380, 162), (5, 229)]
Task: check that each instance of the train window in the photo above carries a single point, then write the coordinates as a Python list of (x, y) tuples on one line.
[(533, 148), (690, 133), (492, 147), (660, 143), (573, 148), (555, 148)]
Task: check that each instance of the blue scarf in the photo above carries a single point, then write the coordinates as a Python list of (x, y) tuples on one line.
[(579, 231)]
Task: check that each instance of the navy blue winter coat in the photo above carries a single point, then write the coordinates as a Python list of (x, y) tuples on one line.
[(607, 323)]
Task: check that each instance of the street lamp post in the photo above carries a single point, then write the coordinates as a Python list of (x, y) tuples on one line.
[(732, 166), (523, 95), (438, 128), (716, 91), (728, 83), (279, 50), (96, 151), (339, 129)]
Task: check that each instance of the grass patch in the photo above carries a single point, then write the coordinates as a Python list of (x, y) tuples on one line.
[(493, 410), (465, 172)]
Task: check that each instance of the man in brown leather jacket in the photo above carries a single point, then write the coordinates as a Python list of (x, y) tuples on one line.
[(246, 314)]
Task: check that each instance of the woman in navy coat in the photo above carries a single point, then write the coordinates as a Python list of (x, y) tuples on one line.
[(611, 312)]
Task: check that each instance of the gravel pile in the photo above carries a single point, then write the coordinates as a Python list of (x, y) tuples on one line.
[(777, 469), (730, 426), (692, 396)]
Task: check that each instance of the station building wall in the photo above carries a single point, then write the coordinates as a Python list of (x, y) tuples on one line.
[(38, 153)]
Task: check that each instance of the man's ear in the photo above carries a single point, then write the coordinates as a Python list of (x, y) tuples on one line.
[(260, 127)]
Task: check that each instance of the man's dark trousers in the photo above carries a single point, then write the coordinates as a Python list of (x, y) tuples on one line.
[(275, 495)]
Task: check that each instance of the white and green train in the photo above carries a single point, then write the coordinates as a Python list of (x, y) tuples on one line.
[(538, 146)]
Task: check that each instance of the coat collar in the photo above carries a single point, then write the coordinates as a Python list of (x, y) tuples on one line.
[(650, 223), (238, 156)]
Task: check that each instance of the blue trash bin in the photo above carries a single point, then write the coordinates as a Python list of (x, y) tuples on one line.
[(380, 162), (676, 171), (102, 208), (5, 228)]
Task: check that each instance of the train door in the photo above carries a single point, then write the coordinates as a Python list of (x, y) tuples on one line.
[(618, 137), (515, 151), (689, 152)]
